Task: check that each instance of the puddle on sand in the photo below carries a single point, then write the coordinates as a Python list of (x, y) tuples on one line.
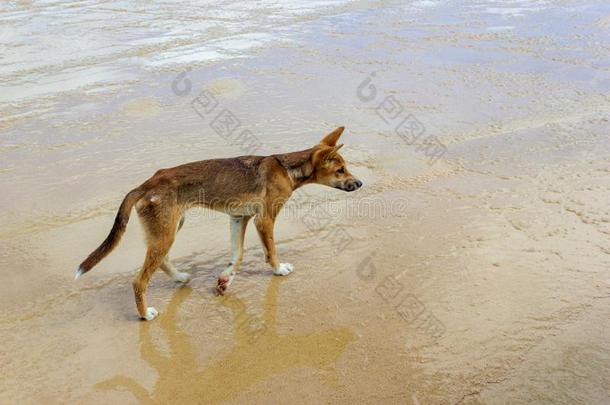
[(258, 352)]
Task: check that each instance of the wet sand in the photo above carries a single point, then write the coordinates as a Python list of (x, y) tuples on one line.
[(478, 278)]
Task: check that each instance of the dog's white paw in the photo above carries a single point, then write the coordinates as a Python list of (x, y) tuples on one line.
[(182, 277), (284, 269), (151, 314)]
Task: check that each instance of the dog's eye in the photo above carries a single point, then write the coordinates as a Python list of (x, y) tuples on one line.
[(341, 171)]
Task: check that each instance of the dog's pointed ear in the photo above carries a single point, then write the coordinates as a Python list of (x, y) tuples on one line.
[(325, 154), (333, 152), (332, 138)]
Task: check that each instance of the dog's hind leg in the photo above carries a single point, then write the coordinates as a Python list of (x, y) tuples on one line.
[(154, 257), (238, 231), (170, 270), (160, 224)]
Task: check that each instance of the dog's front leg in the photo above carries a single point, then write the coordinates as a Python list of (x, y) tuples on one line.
[(238, 231), (264, 226)]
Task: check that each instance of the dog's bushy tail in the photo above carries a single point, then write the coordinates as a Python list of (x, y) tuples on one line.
[(113, 238)]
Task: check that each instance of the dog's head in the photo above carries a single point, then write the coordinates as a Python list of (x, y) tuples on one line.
[(329, 167)]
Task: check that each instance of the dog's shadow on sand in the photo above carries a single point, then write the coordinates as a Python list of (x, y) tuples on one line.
[(258, 354)]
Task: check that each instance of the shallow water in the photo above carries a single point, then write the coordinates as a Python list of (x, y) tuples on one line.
[(480, 278)]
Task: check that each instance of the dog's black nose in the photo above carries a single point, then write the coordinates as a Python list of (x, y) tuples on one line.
[(358, 184)]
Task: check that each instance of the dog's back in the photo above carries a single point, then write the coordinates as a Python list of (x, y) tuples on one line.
[(214, 183)]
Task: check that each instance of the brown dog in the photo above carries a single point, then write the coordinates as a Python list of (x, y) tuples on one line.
[(242, 187)]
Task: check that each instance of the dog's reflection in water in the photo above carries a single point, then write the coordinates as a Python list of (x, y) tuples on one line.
[(256, 356)]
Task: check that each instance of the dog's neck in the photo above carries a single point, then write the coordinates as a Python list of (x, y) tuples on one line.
[(298, 165)]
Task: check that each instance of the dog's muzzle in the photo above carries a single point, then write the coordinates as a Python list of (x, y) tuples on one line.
[(351, 185)]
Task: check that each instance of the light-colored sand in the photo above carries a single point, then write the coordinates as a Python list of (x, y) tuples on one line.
[(480, 279)]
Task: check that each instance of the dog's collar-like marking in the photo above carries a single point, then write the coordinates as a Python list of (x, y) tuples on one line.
[(296, 174)]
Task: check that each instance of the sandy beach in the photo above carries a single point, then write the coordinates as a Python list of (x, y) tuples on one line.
[(473, 267)]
